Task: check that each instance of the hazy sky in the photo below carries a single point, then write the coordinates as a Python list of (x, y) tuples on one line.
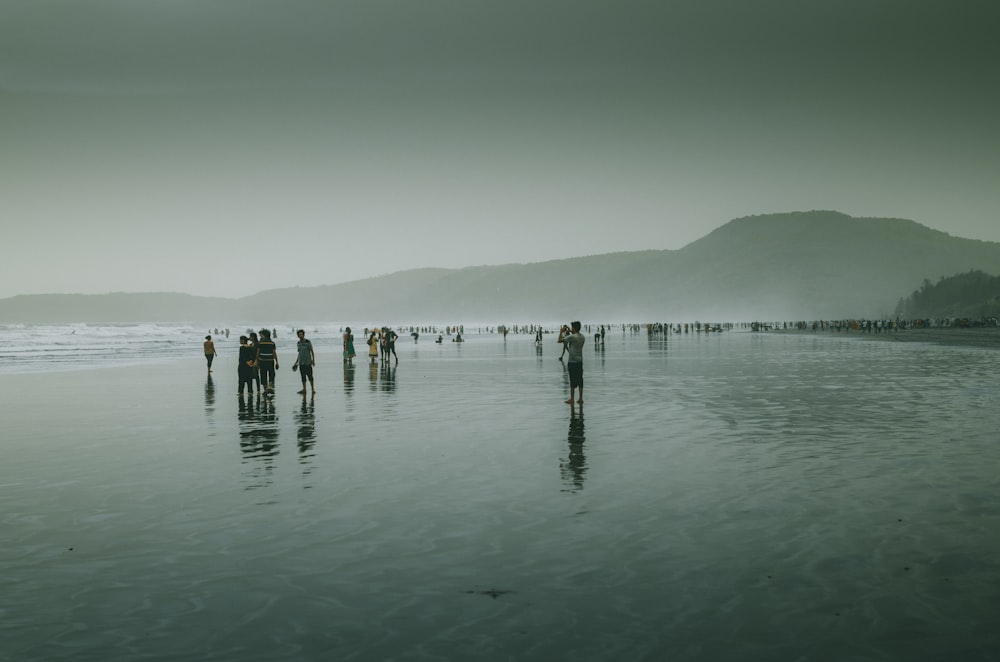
[(222, 147)]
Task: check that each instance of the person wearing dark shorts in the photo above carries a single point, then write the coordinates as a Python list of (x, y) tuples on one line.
[(573, 342), (267, 360), (210, 353), (305, 361), (243, 369), (390, 343)]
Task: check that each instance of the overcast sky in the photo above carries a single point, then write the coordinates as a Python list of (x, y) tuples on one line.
[(222, 147)]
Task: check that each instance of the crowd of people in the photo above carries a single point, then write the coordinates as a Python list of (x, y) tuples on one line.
[(258, 354), (258, 361), (879, 325), (258, 357)]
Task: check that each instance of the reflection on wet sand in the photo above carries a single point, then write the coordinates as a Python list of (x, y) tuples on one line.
[(388, 377), (574, 467), (258, 426), (209, 396), (348, 386), (305, 422)]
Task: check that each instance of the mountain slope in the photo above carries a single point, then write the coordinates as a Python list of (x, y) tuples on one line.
[(799, 265)]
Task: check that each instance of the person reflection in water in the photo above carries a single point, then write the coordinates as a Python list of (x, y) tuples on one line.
[(388, 377), (258, 428), (305, 420), (574, 466), (209, 395)]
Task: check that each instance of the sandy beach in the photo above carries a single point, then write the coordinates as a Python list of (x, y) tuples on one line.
[(723, 496)]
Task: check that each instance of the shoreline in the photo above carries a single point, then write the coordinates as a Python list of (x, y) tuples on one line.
[(983, 337)]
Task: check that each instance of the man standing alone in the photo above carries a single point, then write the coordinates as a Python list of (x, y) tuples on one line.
[(305, 361), (573, 342)]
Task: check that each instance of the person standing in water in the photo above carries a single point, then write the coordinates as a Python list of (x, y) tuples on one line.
[(305, 361), (563, 330), (254, 368), (210, 353), (267, 360), (390, 343), (373, 346), (349, 352), (243, 369), (573, 342)]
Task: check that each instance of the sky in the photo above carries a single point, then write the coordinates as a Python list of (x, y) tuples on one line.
[(224, 147)]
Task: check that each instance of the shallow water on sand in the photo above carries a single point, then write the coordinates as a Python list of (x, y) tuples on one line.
[(727, 496)]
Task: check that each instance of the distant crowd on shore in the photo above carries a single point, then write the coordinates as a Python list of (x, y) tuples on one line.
[(258, 353), (880, 325), (258, 360)]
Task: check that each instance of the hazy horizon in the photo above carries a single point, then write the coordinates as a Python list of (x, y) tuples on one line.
[(227, 148)]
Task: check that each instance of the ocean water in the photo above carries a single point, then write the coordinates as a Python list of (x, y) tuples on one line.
[(30, 348), (729, 496)]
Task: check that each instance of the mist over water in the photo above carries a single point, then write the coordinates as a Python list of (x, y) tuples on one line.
[(720, 496)]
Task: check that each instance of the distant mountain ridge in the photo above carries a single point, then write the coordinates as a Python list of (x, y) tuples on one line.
[(797, 265)]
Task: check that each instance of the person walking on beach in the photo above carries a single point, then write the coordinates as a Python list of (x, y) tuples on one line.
[(349, 352), (209, 351), (267, 360), (573, 342), (305, 361)]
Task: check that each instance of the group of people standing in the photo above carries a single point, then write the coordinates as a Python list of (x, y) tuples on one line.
[(258, 362), (258, 358), (382, 344)]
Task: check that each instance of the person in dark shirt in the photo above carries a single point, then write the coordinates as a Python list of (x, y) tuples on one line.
[(390, 343), (254, 369), (244, 369), (267, 360)]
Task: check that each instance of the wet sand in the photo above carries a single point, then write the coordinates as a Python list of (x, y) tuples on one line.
[(724, 496), (988, 338)]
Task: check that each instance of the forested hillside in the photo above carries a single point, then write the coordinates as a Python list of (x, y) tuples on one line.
[(973, 294)]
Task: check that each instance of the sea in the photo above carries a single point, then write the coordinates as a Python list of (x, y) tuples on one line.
[(718, 496)]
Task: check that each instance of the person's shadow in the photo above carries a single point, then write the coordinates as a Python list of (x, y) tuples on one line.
[(574, 467)]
